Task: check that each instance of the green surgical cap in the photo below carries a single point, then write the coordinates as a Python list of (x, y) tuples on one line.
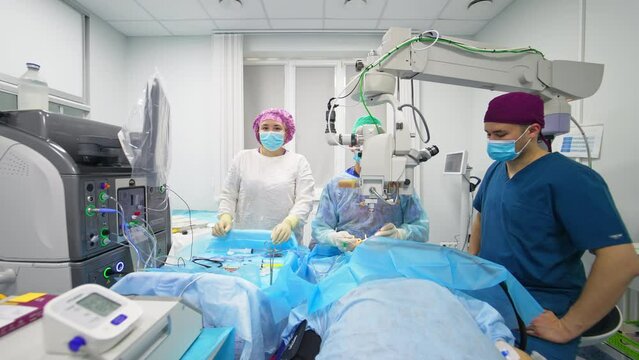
[(367, 120)]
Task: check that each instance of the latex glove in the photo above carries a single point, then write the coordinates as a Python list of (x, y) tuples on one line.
[(390, 230), (282, 232), (224, 224), (344, 241)]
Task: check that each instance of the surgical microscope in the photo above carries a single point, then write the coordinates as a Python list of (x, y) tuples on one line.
[(389, 159)]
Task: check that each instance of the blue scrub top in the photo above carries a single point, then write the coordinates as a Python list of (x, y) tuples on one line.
[(539, 223), (344, 209)]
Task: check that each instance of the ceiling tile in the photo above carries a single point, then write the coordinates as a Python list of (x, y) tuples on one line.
[(294, 9), (355, 9), (286, 24), (254, 24), (485, 10), (140, 28), (459, 27), (189, 27), (174, 10), (229, 9), (413, 24), (116, 9), (419, 9), (350, 24), (135, 17)]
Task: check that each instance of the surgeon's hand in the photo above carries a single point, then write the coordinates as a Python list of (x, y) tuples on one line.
[(224, 224), (282, 232), (549, 327), (390, 230), (345, 241)]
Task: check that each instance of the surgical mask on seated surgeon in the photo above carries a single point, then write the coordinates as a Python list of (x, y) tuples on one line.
[(272, 140), (504, 150), (357, 157)]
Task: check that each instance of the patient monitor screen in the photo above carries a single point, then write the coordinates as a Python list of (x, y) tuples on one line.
[(98, 304), (454, 163)]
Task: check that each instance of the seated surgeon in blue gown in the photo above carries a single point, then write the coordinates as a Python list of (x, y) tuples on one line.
[(537, 214), (344, 220)]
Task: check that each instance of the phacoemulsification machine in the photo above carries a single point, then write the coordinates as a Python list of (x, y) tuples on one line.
[(53, 169)]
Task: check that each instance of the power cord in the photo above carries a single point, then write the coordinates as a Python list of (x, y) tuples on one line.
[(190, 219)]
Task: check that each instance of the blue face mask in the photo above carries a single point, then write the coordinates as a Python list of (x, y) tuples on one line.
[(272, 140), (504, 150), (357, 157)]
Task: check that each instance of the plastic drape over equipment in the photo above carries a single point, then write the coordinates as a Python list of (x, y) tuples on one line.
[(385, 258), (145, 138), (225, 301)]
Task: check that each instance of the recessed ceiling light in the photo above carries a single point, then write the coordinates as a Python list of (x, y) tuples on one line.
[(364, 2), (231, 2), (473, 2)]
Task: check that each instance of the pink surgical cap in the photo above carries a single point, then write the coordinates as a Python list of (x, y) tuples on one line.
[(280, 115), (516, 108)]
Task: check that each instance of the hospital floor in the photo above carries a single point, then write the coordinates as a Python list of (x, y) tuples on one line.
[(600, 352)]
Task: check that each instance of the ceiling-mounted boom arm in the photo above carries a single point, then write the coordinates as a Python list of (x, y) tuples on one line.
[(468, 63)]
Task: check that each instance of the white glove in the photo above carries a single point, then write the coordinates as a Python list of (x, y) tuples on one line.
[(390, 230), (223, 225), (344, 241)]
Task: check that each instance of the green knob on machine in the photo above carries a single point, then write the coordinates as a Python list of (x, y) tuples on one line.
[(103, 196), (88, 211), (107, 272), (104, 236)]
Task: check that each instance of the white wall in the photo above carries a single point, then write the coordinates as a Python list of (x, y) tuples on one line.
[(107, 73), (48, 33), (185, 66), (608, 27), (555, 28), (448, 110), (306, 45), (107, 54)]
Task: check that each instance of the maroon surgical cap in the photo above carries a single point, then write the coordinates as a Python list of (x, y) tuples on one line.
[(516, 108)]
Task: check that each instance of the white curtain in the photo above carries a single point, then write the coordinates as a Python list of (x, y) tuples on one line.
[(227, 101)]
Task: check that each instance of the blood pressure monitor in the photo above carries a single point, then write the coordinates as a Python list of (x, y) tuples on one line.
[(88, 319)]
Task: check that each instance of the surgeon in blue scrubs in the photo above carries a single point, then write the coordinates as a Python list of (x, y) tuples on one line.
[(344, 220), (537, 214)]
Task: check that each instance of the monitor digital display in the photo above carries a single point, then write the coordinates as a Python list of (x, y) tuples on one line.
[(98, 304), (455, 163)]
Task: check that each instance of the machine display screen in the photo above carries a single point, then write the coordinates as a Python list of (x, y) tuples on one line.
[(98, 304), (454, 163)]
